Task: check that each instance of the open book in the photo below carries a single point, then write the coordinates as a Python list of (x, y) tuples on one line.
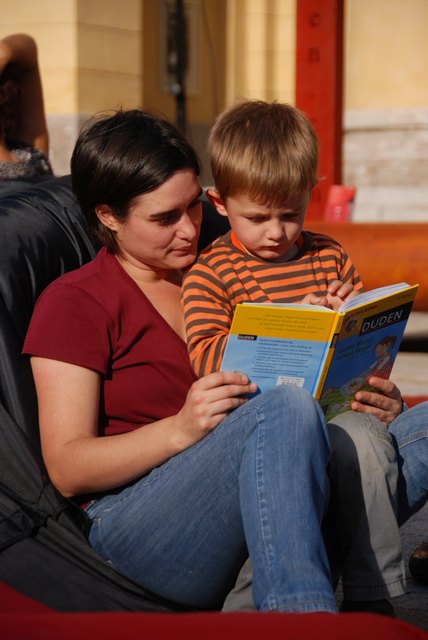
[(331, 354)]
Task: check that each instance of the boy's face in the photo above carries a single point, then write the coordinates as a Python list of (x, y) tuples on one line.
[(269, 233)]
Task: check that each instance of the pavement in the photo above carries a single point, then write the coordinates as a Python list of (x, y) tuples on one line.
[(412, 607), (410, 373)]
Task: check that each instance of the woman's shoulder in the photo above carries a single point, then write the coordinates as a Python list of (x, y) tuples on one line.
[(86, 274), (72, 320), (96, 280)]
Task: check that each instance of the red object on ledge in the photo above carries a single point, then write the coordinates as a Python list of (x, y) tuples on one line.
[(340, 203)]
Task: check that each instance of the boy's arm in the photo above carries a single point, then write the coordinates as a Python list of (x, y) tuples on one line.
[(208, 316), (348, 273)]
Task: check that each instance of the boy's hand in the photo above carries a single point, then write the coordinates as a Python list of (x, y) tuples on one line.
[(337, 293), (386, 403), (313, 298)]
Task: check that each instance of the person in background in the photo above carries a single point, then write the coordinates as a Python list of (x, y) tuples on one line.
[(24, 141)]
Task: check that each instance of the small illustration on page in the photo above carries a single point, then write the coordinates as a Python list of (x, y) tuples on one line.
[(337, 400)]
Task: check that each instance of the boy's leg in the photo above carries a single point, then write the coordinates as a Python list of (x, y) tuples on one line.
[(362, 533), (241, 596)]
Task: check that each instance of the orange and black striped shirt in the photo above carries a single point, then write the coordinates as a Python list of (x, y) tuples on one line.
[(224, 275)]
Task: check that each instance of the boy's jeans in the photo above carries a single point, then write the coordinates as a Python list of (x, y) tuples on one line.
[(259, 479), (361, 523)]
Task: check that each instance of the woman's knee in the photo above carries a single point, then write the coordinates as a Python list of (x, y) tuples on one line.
[(296, 415), (291, 401), (286, 416)]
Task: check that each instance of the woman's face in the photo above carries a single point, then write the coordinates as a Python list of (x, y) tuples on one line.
[(161, 230)]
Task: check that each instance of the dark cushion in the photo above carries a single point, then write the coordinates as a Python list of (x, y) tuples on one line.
[(44, 553), (41, 237)]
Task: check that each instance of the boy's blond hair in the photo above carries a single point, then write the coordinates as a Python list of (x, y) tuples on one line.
[(268, 151)]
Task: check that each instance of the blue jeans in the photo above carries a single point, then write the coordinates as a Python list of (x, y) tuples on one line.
[(257, 484), (361, 531), (378, 479), (410, 437)]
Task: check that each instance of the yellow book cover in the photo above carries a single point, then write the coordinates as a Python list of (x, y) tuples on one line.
[(331, 354)]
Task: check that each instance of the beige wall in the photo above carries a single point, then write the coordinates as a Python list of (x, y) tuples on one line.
[(386, 107), (261, 50), (205, 94), (109, 58), (102, 54), (90, 59), (52, 24), (386, 54)]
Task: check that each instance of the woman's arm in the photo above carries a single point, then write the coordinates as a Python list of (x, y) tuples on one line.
[(78, 461), (19, 53)]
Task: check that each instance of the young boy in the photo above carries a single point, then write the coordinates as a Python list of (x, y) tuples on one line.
[(264, 163)]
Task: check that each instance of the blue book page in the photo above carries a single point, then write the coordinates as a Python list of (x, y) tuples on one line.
[(272, 361)]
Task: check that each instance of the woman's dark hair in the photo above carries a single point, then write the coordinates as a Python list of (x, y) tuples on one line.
[(122, 156)]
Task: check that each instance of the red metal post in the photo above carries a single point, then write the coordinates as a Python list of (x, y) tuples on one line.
[(319, 87)]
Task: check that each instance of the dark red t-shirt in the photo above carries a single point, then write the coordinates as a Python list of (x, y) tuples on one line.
[(97, 317)]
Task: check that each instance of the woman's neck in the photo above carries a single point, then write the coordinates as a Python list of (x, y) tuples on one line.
[(144, 275), (162, 289)]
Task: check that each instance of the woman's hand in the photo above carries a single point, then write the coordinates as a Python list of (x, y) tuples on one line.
[(386, 403), (209, 401), (337, 293)]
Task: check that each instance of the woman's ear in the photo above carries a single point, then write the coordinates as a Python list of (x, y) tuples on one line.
[(106, 216), (215, 199)]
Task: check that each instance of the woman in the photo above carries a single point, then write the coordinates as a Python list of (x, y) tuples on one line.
[(184, 477), (189, 476)]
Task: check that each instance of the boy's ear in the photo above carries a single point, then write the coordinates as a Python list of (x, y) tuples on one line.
[(106, 216), (215, 199)]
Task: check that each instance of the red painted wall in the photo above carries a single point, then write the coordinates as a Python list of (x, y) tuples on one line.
[(319, 84)]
